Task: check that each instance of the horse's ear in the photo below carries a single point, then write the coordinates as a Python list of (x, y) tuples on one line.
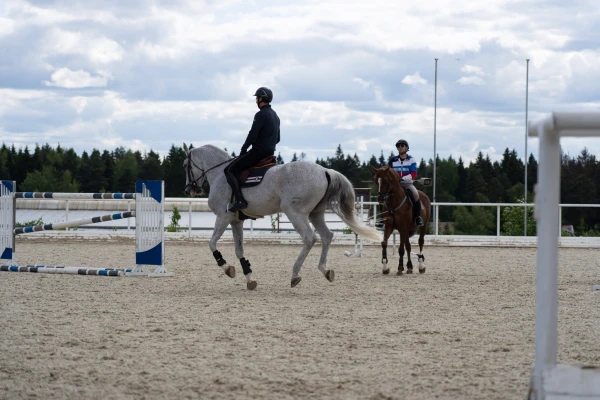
[(373, 169), (185, 148)]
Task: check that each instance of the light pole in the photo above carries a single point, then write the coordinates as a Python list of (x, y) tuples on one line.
[(435, 229), (526, 109)]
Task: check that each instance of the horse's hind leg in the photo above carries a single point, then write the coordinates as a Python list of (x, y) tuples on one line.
[(300, 223), (220, 226), (318, 220), (237, 228), (420, 256)]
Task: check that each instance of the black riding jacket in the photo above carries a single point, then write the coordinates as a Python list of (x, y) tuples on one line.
[(264, 134)]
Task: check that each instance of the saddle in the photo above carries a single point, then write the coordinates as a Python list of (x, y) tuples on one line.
[(253, 176)]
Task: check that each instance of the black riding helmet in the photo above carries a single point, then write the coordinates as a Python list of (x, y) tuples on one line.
[(404, 142), (265, 93)]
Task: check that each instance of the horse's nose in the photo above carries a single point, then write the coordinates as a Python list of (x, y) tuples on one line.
[(187, 191)]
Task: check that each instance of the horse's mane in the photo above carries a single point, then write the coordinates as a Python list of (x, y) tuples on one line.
[(391, 172), (213, 147)]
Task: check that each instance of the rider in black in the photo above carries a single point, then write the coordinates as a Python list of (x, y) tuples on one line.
[(263, 137)]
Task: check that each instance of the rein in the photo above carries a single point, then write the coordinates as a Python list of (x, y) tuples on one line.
[(193, 183), (386, 196)]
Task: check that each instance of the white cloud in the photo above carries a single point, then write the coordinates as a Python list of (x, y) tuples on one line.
[(362, 82), (414, 79), (470, 80), (98, 50), (65, 78), (337, 64), (471, 69)]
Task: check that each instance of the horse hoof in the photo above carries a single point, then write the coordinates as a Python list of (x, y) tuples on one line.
[(386, 271), (330, 275), (399, 272), (296, 281), (422, 270), (409, 271), (251, 285), (230, 271)]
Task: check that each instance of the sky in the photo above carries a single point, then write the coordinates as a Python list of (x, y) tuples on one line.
[(146, 75)]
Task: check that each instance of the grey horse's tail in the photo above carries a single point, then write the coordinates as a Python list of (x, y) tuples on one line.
[(340, 198)]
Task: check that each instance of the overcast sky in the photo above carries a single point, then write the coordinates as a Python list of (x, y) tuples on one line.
[(148, 74)]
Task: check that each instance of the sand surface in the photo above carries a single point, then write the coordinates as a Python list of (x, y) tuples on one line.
[(463, 330)]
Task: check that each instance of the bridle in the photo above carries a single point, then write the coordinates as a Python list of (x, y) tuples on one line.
[(384, 197), (193, 183)]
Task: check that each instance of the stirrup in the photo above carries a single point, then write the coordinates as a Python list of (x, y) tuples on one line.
[(238, 205), (419, 221)]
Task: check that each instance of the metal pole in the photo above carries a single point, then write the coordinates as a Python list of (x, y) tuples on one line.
[(548, 233), (526, 107), (434, 142)]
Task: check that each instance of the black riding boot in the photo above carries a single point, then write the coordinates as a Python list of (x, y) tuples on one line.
[(417, 213), (240, 202)]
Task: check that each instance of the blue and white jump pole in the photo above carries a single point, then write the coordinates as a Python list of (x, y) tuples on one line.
[(149, 233)]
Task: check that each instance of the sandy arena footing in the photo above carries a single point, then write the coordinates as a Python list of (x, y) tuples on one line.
[(463, 330)]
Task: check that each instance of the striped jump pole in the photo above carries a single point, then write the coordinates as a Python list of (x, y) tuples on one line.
[(69, 224), (149, 228), (53, 269), (74, 196)]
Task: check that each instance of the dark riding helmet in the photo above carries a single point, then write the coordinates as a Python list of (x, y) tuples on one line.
[(265, 93), (402, 141)]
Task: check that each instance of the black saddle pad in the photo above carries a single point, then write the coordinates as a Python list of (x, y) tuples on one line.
[(256, 176)]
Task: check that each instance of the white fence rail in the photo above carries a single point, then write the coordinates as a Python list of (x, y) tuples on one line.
[(199, 205)]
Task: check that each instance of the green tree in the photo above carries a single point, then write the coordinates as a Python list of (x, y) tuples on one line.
[(173, 172), (151, 167), (512, 221), (126, 173)]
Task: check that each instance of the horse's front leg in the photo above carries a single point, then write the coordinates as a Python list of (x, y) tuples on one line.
[(220, 226), (388, 229), (408, 247), (237, 228)]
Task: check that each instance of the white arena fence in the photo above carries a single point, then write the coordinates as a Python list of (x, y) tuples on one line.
[(149, 229), (191, 208)]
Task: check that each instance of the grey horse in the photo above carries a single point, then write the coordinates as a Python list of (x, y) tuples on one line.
[(303, 190)]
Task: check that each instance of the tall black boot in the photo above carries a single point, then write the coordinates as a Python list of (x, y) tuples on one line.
[(240, 202), (417, 213)]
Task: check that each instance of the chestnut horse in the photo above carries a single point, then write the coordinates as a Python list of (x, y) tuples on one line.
[(397, 214)]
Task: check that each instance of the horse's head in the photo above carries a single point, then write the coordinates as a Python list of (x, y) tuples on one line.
[(194, 173), (198, 164), (384, 178)]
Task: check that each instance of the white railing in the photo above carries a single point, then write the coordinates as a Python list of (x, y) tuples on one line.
[(373, 206)]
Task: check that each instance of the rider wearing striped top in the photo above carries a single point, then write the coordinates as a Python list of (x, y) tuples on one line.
[(406, 167)]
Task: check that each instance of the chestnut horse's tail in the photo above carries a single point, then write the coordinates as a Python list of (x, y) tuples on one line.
[(425, 205)]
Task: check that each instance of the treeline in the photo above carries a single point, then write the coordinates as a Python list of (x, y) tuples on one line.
[(481, 181)]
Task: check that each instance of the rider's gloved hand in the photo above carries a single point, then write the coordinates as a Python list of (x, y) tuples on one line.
[(407, 178)]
